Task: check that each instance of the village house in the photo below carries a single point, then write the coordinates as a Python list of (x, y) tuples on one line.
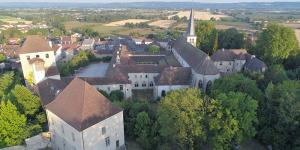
[(80, 118), (88, 44)]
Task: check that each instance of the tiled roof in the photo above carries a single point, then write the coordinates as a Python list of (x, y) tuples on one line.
[(197, 59), (35, 44), (255, 64), (174, 76), (230, 55), (81, 105)]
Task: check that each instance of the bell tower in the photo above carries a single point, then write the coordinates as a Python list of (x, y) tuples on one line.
[(190, 33)]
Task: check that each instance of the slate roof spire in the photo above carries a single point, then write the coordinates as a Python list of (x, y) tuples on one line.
[(191, 26)]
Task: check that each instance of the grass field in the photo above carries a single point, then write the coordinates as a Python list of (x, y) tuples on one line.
[(162, 23), (199, 15), (123, 22), (13, 20)]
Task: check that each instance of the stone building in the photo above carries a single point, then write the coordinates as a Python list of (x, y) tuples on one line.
[(80, 118)]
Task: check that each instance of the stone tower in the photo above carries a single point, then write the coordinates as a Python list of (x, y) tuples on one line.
[(190, 33)]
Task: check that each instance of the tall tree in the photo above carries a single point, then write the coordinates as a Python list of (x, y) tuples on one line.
[(181, 118), (27, 103), (206, 35), (231, 39), (236, 83), (6, 83), (279, 115), (13, 129), (277, 43), (275, 74), (142, 130)]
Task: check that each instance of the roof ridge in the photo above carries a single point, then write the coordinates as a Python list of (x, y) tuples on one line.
[(83, 103)]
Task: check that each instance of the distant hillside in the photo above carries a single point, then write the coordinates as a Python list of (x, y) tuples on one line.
[(160, 5)]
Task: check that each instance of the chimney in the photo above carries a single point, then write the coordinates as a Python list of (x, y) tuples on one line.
[(50, 44)]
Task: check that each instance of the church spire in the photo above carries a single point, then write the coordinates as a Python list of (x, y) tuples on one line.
[(190, 33), (191, 26)]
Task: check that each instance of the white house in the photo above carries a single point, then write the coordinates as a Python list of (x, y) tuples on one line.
[(80, 118), (38, 59), (88, 44)]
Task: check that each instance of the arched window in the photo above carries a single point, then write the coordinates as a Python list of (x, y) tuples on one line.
[(144, 84), (208, 86), (200, 84), (151, 84), (163, 93), (136, 84)]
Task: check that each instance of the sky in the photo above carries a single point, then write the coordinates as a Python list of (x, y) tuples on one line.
[(110, 1)]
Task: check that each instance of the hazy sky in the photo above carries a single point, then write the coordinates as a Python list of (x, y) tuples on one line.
[(108, 1)]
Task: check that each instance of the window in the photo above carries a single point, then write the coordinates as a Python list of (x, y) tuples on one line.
[(103, 130), (28, 57), (151, 84), (221, 63), (117, 143), (200, 84), (121, 87), (146, 76), (47, 55), (136, 84), (37, 56), (163, 93), (141, 76), (144, 84), (73, 137), (107, 141)]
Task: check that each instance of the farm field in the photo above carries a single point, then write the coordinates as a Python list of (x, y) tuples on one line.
[(199, 15), (13, 20), (162, 23), (123, 22)]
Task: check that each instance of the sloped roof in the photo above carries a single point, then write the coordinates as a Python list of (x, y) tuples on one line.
[(35, 43), (197, 59), (81, 105), (174, 76), (230, 55), (255, 64)]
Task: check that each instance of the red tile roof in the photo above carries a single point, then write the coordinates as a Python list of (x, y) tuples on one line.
[(35, 44)]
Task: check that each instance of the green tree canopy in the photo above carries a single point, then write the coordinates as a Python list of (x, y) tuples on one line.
[(27, 103), (275, 74), (6, 83), (231, 39), (2, 57), (207, 36), (232, 119), (154, 49), (277, 43), (13, 129), (279, 116), (181, 118), (236, 83), (142, 130)]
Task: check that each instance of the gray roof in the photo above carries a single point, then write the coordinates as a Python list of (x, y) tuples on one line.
[(88, 41), (191, 26), (174, 76), (255, 64), (230, 55), (197, 59)]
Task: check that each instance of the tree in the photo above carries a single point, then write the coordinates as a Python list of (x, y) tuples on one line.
[(236, 83), (277, 43), (181, 118), (27, 103), (279, 115), (116, 95), (6, 83), (2, 57), (231, 39), (275, 74), (232, 119), (142, 130), (206, 35), (37, 31), (13, 129), (154, 49)]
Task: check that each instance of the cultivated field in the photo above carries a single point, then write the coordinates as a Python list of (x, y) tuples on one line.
[(123, 22), (199, 15), (13, 20), (162, 23)]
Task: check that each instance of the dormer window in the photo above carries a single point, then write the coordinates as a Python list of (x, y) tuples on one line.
[(47, 55), (37, 56)]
